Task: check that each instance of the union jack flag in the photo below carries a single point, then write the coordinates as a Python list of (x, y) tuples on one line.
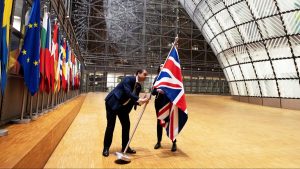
[(173, 115)]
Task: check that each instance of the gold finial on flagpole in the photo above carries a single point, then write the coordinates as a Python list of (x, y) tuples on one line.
[(175, 43)]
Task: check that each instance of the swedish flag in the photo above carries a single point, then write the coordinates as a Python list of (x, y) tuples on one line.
[(30, 52), (1, 18), (5, 10)]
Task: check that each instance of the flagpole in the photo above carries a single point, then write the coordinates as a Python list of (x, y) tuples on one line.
[(48, 100), (37, 104), (56, 98), (32, 117), (42, 102), (3, 131), (52, 99)]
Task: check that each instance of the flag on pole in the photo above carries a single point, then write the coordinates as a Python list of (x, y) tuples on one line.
[(30, 52), (63, 66), (5, 10), (1, 37), (75, 74), (58, 66), (55, 58), (174, 114), (45, 53), (67, 67)]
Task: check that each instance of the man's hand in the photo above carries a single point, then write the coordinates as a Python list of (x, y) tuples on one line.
[(141, 101), (160, 91)]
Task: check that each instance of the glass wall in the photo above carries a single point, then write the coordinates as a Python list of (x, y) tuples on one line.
[(257, 43)]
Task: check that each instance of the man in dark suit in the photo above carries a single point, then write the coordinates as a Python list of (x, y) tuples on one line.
[(119, 102)]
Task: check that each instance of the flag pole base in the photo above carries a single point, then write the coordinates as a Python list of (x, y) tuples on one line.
[(122, 158), (21, 121), (34, 117), (45, 111), (3, 132), (41, 114)]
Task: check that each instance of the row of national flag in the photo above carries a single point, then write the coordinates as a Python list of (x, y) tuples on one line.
[(48, 64), (5, 13)]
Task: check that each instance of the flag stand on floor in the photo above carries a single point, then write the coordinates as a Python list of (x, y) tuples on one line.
[(3, 132)]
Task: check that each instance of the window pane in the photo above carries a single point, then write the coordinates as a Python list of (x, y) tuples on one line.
[(237, 72), (225, 19), (223, 41), (205, 11), (230, 2), (214, 25), (233, 88), (240, 13), (257, 51), (208, 31), (216, 5), (262, 8), (241, 54), (234, 37), (198, 17), (216, 45), (191, 5), (253, 88), (269, 88), (285, 5), (230, 57), (226, 75), (264, 70), (242, 88), (223, 60), (248, 71), (298, 63), (295, 41), (279, 48), (285, 68), (289, 88), (250, 32), (291, 20), (271, 27), (229, 73)]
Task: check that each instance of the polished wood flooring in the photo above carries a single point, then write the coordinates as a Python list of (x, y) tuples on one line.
[(220, 133), (30, 145)]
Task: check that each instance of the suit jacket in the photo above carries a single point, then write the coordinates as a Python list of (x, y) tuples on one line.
[(122, 93)]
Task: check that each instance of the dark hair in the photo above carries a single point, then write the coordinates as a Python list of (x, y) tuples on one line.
[(139, 71), (158, 69)]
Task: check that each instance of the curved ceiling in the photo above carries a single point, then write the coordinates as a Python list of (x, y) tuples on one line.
[(257, 43)]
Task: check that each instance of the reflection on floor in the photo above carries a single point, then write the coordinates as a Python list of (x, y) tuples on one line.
[(220, 133)]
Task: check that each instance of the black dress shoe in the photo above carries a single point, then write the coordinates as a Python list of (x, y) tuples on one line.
[(105, 152), (157, 145), (174, 147), (129, 150)]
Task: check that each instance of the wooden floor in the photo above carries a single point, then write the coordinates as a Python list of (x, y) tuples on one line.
[(30, 145), (220, 133)]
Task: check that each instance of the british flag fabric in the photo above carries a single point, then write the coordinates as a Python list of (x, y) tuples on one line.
[(173, 115)]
